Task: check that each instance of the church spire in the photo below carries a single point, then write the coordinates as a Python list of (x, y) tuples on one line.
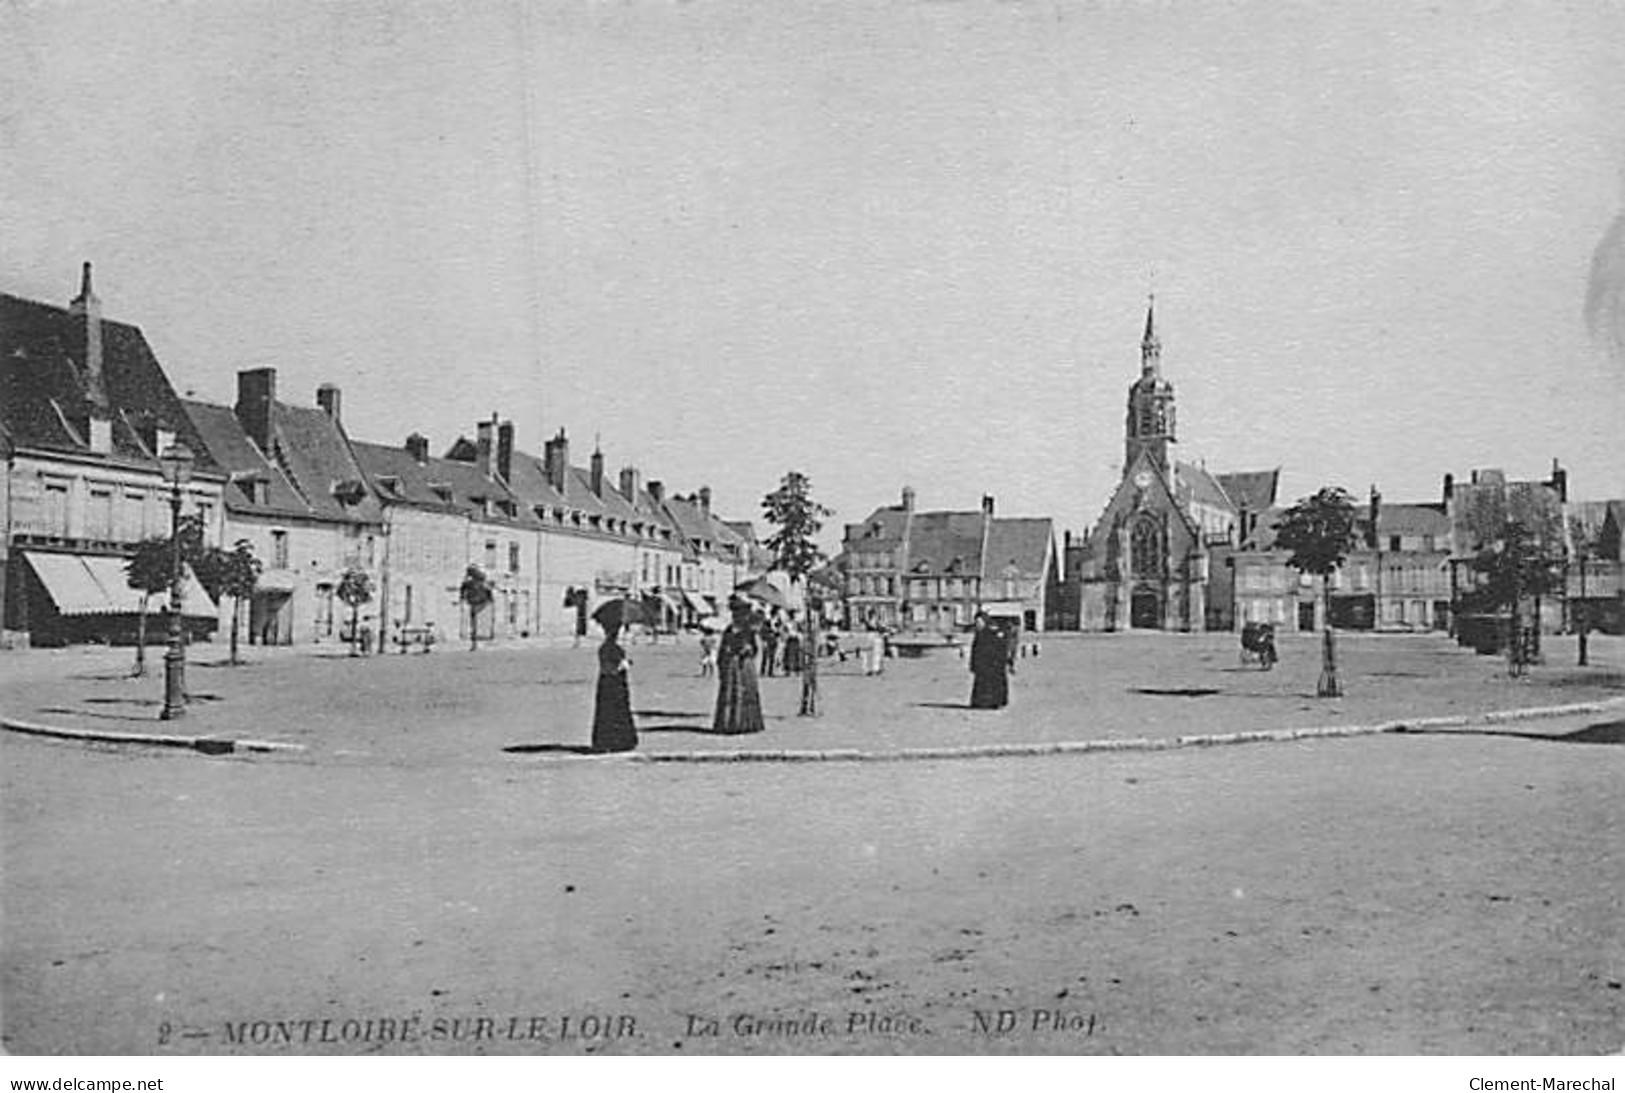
[(1150, 344), (1150, 401)]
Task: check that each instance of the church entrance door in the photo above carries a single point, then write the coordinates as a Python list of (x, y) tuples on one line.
[(1145, 610)]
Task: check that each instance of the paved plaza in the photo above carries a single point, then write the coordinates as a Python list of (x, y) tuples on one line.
[(439, 870), (457, 706)]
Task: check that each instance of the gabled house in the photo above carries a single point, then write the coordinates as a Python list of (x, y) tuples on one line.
[(933, 571), (598, 538), (296, 493), (85, 412), (717, 559), (443, 515)]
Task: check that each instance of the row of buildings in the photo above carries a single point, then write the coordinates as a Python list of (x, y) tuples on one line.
[(86, 410), (1180, 548)]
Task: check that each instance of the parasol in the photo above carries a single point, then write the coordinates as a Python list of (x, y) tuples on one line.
[(763, 592), (618, 612)]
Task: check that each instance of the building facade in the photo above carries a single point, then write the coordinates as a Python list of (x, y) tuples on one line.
[(933, 571), (298, 496), (85, 412)]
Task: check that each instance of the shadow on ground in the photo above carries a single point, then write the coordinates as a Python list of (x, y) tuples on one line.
[(549, 749), (1603, 732)]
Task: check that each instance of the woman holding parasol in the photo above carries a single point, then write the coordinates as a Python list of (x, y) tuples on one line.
[(612, 725)]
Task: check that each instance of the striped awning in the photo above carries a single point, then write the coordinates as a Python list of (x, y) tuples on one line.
[(698, 604), (94, 584)]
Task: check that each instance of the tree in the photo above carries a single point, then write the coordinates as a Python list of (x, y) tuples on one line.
[(798, 518), (1522, 565), (148, 571), (355, 589), (1319, 530), (1585, 548), (476, 592), (234, 573)]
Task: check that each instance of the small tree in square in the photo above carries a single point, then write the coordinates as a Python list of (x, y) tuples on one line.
[(476, 592), (148, 571), (1319, 531), (234, 573), (355, 589), (1521, 566), (798, 518)]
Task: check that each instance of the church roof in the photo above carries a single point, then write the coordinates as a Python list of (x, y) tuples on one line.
[(1200, 486), (1252, 490)]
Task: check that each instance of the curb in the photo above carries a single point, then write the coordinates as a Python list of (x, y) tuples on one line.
[(1134, 744), (208, 745)]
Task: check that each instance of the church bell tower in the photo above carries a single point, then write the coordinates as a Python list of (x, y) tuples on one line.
[(1150, 403)]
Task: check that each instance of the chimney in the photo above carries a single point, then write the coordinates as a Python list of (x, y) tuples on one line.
[(987, 504), (88, 307), (485, 441), (1449, 487), (704, 497), (908, 498), (629, 484), (657, 490), (505, 451), (417, 445), (597, 471), (556, 459), (256, 400), (1559, 481), (327, 397)]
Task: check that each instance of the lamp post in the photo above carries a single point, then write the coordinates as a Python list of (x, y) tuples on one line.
[(176, 461)]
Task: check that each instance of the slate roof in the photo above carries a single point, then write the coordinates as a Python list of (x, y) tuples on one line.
[(1253, 490), (1424, 518), (1023, 541), (698, 526), (528, 481), (43, 398), (321, 463), (222, 436), (885, 525), (440, 485), (1196, 484), (946, 543)]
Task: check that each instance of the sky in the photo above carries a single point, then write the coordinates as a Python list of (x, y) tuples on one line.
[(882, 244)]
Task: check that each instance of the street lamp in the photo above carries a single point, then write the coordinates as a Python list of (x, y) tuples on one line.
[(176, 462)]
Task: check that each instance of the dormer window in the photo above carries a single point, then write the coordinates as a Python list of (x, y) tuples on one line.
[(390, 484), (101, 435), (349, 491), (442, 491)]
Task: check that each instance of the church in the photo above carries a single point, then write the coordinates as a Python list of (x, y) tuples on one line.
[(1160, 556)]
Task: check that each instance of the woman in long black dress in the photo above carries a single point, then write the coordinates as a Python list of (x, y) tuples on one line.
[(739, 701), (612, 725), (989, 665)]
